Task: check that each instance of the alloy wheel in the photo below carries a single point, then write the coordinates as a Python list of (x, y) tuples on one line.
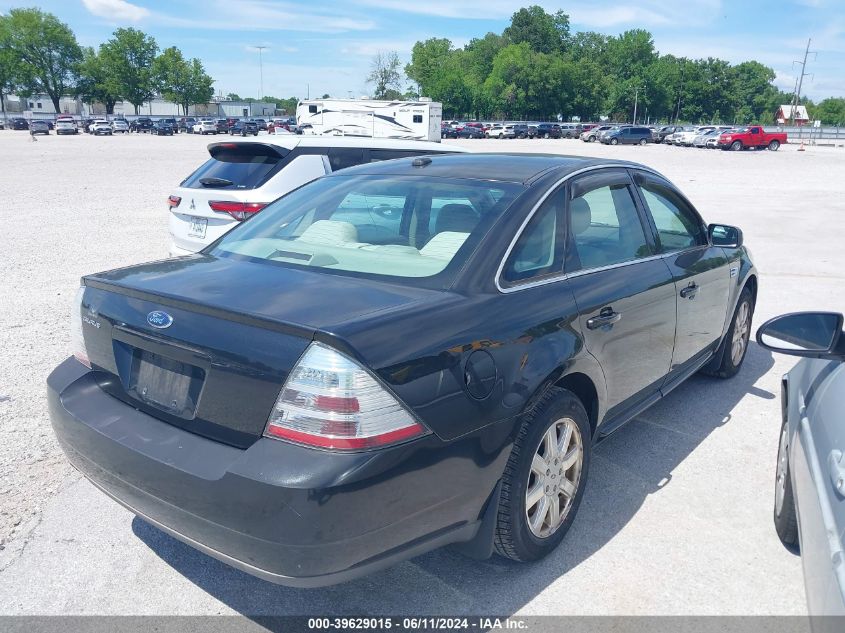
[(782, 470), (554, 477), (739, 343)]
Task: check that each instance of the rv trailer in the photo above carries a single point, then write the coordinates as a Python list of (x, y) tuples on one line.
[(410, 120)]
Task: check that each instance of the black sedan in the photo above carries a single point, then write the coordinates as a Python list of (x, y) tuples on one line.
[(398, 356), (469, 131), (18, 124), (162, 127)]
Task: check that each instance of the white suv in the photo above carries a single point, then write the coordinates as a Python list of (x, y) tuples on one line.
[(242, 177), (206, 126)]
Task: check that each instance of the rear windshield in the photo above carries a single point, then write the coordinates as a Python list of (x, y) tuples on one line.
[(410, 228), (237, 166)]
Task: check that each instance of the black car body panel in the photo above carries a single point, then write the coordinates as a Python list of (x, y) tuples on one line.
[(300, 515)]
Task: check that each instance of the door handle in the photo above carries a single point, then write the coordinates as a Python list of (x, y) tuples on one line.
[(836, 469), (606, 317), (689, 291)]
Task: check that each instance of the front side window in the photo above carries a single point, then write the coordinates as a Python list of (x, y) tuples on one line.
[(678, 226), (604, 225), (374, 226)]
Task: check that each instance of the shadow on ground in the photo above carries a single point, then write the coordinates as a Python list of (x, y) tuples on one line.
[(635, 462)]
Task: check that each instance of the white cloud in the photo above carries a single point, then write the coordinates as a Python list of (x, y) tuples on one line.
[(264, 15), (116, 10)]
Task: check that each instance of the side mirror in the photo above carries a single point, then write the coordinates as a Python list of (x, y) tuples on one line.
[(725, 235), (809, 334)]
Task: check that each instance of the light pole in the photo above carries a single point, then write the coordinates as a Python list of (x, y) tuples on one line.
[(260, 72), (636, 94)]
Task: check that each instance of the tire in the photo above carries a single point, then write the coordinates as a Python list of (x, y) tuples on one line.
[(736, 146), (643, 142), (786, 523), (774, 145), (521, 535), (731, 352), (614, 141), (592, 139), (546, 135)]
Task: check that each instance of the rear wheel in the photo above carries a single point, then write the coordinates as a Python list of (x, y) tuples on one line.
[(736, 146), (773, 146), (614, 141), (643, 141), (786, 523), (545, 477)]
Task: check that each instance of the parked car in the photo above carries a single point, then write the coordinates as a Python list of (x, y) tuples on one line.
[(120, 125), (205, 126), (2, 124), (66, 126), (261, 123), (241, 178), (37, 126), (571, 130), (215, 395), (628, 136), (186, 124), (752, 137), (665, 131), (222, 126), (244, 128), (520, 130), (713, 140), (163, 127), (142, 125), (101, 127), (470, 131), (548, 130), (18, 123), (591, 135), (499, 130), (447, 131), (809, 507)]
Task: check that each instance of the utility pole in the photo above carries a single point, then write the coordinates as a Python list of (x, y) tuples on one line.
[(796, 96), (260, 71), (636, 94)]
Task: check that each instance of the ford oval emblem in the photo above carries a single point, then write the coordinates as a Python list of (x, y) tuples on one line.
[(159, 319)]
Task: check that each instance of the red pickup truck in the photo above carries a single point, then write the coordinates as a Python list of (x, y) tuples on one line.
[(752, 136)]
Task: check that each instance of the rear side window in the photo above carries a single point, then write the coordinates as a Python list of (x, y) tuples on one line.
[(237, 166), (605, 225), (343, 157)]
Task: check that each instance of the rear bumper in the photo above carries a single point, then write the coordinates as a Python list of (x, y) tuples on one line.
[(285, 513)]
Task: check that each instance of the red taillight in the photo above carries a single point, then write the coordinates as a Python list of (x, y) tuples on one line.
[(238, 210), (173, 201)]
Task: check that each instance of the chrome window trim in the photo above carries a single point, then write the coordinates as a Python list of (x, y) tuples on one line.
[(561, 276)]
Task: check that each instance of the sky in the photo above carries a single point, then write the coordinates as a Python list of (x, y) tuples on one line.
[(327, 46)]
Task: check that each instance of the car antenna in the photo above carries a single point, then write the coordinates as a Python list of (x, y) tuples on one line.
[(422, 161)]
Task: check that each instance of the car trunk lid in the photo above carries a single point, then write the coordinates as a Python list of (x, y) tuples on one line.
[(206, 344)]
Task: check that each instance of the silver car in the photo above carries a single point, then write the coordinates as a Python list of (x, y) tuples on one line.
[(810, 476)]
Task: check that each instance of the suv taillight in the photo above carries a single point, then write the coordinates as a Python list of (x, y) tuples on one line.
[(330, 401), (238, 210), (173, 201), (76, 336)]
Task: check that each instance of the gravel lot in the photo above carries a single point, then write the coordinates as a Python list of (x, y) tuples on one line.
[(677, 516)]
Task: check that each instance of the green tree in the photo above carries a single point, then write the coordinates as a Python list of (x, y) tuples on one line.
[(428, 59), (8, 64), (234, 96), (385, 75), (95, 84), (830, 111), (544, 33), (129, 57), (182, 81), (45, 53)]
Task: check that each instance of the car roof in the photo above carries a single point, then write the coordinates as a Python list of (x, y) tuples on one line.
[(292, 141), (503, 167)]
